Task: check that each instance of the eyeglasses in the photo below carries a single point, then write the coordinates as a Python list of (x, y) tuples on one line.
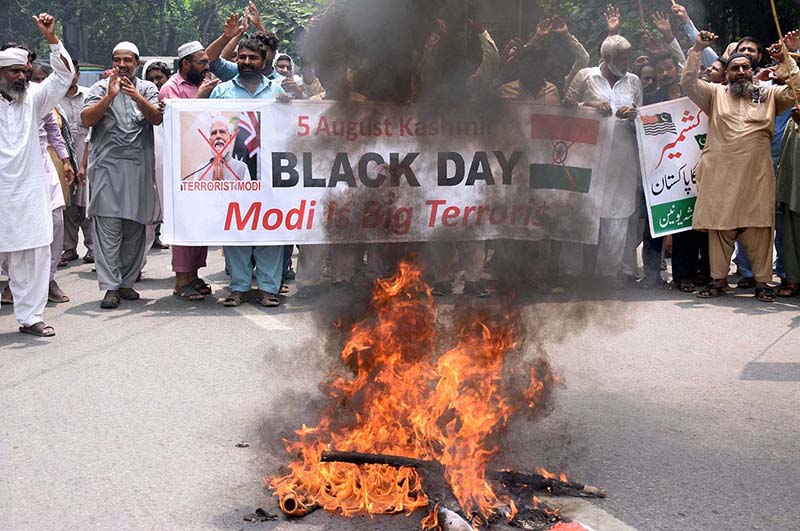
[(202, 62)]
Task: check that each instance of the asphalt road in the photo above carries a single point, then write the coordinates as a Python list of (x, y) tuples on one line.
[(686, 411)]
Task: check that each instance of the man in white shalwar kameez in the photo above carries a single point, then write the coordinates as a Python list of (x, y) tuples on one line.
[(618, 94), (26, 226)]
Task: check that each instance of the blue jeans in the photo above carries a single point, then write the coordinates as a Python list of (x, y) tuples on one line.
[(268, 267), (743, 263)]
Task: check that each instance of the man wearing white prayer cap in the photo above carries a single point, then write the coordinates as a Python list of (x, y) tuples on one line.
[(26, 226), (192, 80), (121, 110)]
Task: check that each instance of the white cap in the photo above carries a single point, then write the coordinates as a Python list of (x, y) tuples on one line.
[(13, 56), (189, 48), (126, 46)]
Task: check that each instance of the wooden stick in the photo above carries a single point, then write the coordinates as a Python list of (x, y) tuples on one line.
[(530, 481), (785, 50)]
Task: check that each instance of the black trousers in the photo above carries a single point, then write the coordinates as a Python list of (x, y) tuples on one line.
[(690, 255)]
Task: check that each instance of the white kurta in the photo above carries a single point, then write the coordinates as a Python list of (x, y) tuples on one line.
[(622, 180), (25, 219)]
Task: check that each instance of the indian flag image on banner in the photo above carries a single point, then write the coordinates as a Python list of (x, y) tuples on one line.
[(671, 137), (562, 172)]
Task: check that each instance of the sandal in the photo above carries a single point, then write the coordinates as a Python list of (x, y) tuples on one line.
[(284, 288), (188, 293), (201, 286), (789, 290), (685, 286), (38, 329), (746, 283), (765, 293), (714, 289), (268, 300), (236, 298)]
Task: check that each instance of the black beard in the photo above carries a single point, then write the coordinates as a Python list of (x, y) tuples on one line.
[(249, 75), (14, 92), (741, 89), (194, 77)]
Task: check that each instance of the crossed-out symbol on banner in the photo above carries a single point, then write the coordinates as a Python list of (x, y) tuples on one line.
[(560, 152), (218, 155)]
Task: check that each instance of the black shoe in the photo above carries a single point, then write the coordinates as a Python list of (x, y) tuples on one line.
[(62, 263), (475, 289), (158, 244), (110, 300), (88, 258), (289, 275), (651, 282), (69, 256), (129, 294), (441, 289)]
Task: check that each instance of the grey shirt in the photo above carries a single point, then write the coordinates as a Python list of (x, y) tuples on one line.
[(121, 169)]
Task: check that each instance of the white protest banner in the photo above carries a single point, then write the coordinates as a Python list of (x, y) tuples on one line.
[(671, 138), (246, 172)]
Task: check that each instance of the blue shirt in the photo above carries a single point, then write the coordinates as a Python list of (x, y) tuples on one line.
[(233, 89), (227, 70)]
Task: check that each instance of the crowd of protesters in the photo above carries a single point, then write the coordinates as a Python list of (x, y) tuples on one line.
[(77, 160)]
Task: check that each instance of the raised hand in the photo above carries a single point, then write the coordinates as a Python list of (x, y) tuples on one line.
[(114, 84), (663, 26), (704, 40), (511, 50), (46, 25), (234, 26), (776, 51), (792, 40), (559, 26), (541, 31), (680, 12), (255, 18), (613, 20)]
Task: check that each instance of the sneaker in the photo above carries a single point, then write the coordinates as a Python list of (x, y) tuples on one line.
[(476, 289), (110, 300), (129, 294)]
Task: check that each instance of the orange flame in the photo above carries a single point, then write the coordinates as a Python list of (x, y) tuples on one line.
[(401, 400)]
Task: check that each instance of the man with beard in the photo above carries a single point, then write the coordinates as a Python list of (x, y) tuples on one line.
[(26, 226), (616, 93), (251, 83), (121, 110), (690, 265), (234, 28), (75, 218), (735, 177), (192, 80), (225, 168)]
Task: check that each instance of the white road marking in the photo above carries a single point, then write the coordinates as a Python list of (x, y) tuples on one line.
[(260, 318), (585, 512)]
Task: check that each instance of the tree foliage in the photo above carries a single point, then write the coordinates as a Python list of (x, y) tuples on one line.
[(92, 28)]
